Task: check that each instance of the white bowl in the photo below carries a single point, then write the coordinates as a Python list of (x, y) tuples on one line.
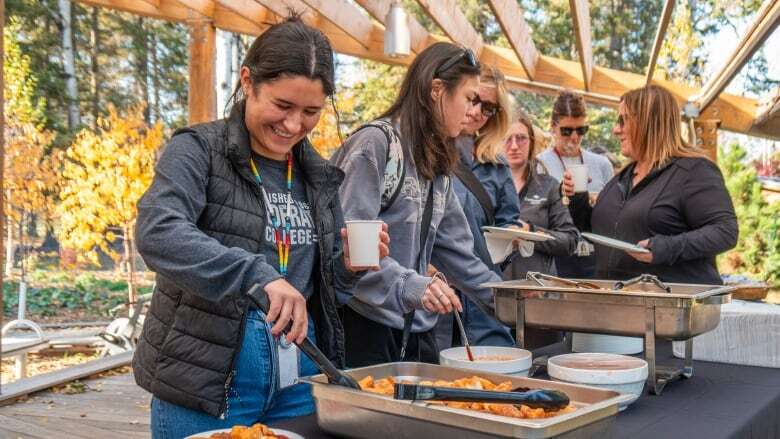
[(607, 344), (608, 371), (518, 365)]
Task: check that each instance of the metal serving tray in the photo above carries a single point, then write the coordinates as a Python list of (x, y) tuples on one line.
[(642, 309), (352, 413)]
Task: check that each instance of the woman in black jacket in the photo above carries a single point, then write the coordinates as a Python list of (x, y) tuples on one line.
[(540, 204), (235, 203), (670, 199)]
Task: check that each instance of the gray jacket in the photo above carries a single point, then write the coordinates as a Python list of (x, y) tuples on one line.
[(397, 288), (541, 206)]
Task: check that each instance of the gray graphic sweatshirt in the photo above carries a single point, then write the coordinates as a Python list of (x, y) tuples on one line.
[(386, 295)]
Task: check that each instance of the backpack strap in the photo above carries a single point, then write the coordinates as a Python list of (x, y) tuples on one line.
[(472, 183), (394, 172)]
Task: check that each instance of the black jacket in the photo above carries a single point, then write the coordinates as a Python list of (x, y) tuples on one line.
[(199, 229), (541, 207), (685, 211)]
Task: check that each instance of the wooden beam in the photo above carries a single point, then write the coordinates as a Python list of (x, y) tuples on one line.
[(455, 25), (205, 8), (769, 110), (348, 18), (155, 3), (581, 19), (660, 35), (510, 18), (282, 8), (378, 9), (202, 96), (767, 20)]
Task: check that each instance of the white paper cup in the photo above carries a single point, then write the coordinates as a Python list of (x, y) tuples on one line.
[(579, 174), (363, 237)]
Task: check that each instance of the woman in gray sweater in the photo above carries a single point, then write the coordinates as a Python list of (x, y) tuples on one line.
[(392, 312)]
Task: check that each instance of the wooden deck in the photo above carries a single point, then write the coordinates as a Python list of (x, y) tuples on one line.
[(111, 408)]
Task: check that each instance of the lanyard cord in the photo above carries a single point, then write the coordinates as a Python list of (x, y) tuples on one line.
[(283, 225)]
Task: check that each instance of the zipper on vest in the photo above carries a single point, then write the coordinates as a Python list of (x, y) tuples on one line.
[(229, 380)]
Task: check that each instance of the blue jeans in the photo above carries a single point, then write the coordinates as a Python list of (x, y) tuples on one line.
[(254, 395)]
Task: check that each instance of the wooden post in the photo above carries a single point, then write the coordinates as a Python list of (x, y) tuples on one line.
[(707, 136), (202, 96)]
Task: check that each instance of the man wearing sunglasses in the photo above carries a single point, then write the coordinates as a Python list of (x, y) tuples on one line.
[(569, 126)]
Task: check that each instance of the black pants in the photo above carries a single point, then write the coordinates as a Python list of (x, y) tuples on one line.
[(369, 342)]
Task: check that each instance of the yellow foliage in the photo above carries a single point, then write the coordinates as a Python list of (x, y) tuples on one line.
[(325, 136), (104, 174)]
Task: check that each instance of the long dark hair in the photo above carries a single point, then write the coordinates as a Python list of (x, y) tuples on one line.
[(434, 154), (289, 48)]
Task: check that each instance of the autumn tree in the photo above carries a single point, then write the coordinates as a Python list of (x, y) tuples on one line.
[(29, 173), (104, 174)]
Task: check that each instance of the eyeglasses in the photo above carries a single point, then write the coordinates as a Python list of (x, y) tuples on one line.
[(465, 53), (568, 131), (517, 139), (621, 121)]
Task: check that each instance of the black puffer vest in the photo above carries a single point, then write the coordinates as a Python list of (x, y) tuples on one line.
[(189, 345)]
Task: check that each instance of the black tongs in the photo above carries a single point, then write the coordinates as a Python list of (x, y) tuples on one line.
[(540, 398), (335, 376)]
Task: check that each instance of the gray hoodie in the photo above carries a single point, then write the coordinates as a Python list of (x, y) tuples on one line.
[(386, 295)]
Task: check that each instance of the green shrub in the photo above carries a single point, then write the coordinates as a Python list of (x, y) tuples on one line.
[(758, 251)]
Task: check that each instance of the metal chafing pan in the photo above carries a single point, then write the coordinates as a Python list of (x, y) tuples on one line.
[(640, 307), (353, 413)]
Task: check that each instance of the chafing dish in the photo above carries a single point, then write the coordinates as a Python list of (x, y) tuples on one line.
[(642, 307), (353, 413)]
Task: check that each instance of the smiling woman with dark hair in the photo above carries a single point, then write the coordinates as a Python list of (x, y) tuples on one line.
[(235, 203)]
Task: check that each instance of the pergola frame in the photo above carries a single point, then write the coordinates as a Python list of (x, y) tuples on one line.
[(357, 30)]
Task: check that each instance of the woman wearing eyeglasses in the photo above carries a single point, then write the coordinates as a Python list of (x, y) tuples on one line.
[(484, 188), (670, 199), (569, 126), (392, 312)]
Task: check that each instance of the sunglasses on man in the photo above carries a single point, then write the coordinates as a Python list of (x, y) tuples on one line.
[(567, 131)]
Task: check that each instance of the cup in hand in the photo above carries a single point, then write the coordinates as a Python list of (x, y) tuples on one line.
[(579, 173), (363, 237)]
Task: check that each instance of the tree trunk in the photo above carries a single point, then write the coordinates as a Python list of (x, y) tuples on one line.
[(129, 250), (95, 52), (155, 77), (69, 65), (9, 247), (142, 66)]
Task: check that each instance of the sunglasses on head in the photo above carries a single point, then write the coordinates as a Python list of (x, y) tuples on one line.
[(567, 131), (465, 53)]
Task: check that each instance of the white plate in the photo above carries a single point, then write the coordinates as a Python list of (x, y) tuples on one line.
[(277, 431), (614, 243), (504, 232)]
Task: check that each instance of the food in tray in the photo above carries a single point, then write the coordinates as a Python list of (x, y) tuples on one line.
[(385, 386), (257, 431)]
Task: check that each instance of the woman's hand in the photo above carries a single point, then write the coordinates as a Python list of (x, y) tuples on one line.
[(287, 304), (440, 298), (384, 249), (647, 258)]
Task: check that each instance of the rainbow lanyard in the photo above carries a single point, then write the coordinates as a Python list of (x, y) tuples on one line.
[(281, 229)]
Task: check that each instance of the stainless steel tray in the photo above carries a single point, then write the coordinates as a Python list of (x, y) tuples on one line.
[(641, 309), (353, 413)]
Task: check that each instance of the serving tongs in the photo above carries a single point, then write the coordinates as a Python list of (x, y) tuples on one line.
[(539, 277), (335, 376), (539, 398)]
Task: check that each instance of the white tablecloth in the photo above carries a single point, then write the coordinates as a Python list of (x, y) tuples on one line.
[(748, 333)]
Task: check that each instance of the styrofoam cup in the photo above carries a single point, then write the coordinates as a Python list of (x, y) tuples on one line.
[(579, 174), (363, 237)]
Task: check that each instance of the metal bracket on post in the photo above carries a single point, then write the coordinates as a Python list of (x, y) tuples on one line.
[(520, 321)]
